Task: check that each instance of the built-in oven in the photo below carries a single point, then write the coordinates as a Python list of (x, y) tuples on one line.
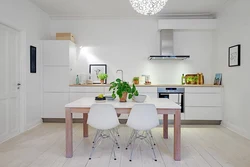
[(174, 94)]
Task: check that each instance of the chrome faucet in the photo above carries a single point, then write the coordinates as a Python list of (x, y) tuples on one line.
[(121, 72)]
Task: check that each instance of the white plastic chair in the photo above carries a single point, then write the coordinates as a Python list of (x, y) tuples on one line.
[(142, 118), (103, 117)]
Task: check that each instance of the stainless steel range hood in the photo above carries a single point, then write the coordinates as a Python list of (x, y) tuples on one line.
[(167, 48)]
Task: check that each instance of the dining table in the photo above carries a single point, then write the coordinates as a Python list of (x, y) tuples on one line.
[(164, 106)]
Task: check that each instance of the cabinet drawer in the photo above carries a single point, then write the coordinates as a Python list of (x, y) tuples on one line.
[(77, 96), (205, 100), (147, 89), (203, 113), (206, 90)]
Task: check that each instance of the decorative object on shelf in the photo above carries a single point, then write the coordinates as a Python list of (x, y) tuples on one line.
[(218, 79), (136, 80), (193, 79), (32, 59), (65, 36), (147, 79), (148, 7), (77, 80), (102, 77), (183, 80), (123, 90), (234, 53), (95, 70)]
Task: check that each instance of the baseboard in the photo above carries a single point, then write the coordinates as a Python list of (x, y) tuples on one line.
[(235, 129), (123, 121), (33, 125)]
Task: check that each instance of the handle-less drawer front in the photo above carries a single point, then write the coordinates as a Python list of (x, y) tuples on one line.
[(207, 90), (203, 113), (147, 89), (205, 100)]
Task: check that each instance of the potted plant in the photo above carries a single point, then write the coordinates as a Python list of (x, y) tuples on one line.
[(136, 80), (102, 77), (123, 90)]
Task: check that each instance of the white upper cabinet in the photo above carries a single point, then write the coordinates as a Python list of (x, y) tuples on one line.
[(56, 52)]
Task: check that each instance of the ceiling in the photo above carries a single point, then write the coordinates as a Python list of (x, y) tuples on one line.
[(122, 8)]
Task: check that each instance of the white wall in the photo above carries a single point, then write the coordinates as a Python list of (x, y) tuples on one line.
[(126, 44), (26, 17), (234, 28)]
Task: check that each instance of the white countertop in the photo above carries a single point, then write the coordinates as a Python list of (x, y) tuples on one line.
[(152, 85), (86, 102)]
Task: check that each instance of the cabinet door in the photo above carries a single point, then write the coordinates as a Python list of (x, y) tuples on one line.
[(54, 105), (56, 79), (203, 113), (205, 100), (55, 52)]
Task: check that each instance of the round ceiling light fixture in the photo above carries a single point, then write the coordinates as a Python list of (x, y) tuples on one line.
[(148, 7)]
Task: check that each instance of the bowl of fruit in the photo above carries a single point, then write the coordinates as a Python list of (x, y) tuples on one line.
[(100, 97)]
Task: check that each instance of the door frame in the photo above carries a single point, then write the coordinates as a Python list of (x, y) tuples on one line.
[(22, 59)]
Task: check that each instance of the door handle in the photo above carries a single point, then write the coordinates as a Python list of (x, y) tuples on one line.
[(18, 84)]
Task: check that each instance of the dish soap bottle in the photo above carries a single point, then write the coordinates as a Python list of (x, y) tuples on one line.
[(77, 80), (183, 79)]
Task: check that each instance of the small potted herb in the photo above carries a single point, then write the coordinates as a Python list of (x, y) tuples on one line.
[(136, 80), (102, 77), (123, 90)]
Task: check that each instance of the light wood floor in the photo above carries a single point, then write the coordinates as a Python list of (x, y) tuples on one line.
[(202, 146)]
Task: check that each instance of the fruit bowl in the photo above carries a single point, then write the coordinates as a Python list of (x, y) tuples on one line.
[(100, 98)]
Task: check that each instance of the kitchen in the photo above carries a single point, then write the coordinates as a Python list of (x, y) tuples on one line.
[(128, 45)]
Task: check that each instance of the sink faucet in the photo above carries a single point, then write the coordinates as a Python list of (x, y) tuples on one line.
[(121, 72)]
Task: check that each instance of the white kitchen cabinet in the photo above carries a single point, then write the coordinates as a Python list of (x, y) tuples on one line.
[(54, 104), (77, 96), (58, 61), (147, 89), (203, 103), (87, 89), (203, 113), (56, 52), (205, 100), (203, 90), (55, 79)]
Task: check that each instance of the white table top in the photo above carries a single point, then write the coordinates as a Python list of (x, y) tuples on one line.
[(86, 102)]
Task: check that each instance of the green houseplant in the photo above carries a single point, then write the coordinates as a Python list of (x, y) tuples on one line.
[(102, 77), (136, 80), (123, 90)]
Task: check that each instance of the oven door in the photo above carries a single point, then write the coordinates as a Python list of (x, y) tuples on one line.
[(178, 98)]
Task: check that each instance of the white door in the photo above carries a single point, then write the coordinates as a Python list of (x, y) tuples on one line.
[(9, 79)]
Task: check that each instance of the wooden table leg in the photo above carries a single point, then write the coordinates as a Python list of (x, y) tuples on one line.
[(177, 136), (85, 125), (165, 126), (69, 131)]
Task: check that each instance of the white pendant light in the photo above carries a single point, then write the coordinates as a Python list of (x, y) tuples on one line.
[(148, 7)]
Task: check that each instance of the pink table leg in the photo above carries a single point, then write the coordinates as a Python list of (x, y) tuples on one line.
[(85, 125), (69, 137), (177, 136), (165, 126)]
